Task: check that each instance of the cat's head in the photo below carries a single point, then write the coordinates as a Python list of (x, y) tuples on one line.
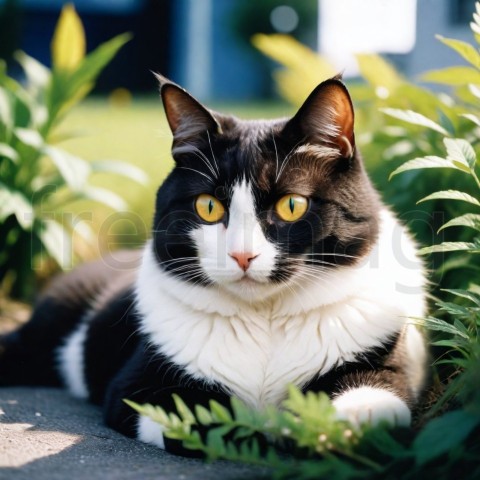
[(255, 206)]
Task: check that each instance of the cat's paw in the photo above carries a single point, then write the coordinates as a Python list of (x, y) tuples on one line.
[(150, 432), (372, 405)]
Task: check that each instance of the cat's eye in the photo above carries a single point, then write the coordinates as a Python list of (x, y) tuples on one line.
[(209, 208), (291, 207)]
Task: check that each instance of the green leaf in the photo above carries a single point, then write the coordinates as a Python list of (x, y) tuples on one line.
[(434, 441), (15, 203), (461, 151), (104, 196), (470, 220), (219, 412), (475, 298), (57, 241), (425, 162), (203, 415), (120, 168), (449, 247), (451, 195), (414, 118), (37, 74), (466, 50), (6, 116), (474, 90), (455, 76), (473, 118), (7, 151), (29, 137), (74, 170), (438, 325), (95, 61), (184, 412)]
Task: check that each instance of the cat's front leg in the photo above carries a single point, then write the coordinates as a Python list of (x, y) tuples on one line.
[(148, 378), (383, 385)]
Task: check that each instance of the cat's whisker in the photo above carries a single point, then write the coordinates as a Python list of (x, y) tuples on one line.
[(286, 160), (276, 155), (210, 179), (213, 155), (193, 149)]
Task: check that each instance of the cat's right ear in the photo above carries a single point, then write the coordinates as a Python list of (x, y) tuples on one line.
[(326, 118), (187, 117)]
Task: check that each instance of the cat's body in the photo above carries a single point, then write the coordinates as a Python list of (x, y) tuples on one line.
[(272, 262)]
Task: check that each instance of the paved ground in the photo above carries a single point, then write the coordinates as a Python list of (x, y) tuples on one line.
[(47, 435)]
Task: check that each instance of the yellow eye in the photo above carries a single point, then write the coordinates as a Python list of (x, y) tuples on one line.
[(209, 208), (291, 207)]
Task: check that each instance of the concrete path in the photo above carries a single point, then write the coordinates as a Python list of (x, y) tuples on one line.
[(47, 435)]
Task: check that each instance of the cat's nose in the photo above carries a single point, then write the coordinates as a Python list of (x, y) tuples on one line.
[(244, 259)]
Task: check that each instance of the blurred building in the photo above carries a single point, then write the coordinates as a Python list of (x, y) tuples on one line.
[(205, 44)]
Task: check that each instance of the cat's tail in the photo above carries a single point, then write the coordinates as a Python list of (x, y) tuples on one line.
[(28, 356)]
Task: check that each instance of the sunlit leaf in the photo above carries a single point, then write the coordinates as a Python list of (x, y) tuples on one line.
[(120, 168), (6, 116), (107, 197), (68, 44), (453, 76), (74, 170), (439, 325), (449, 247), (29, 137), (219, 412), (184, 412), (7, 151), (470, 220), (473, 118), (38, 75), (472, 296), (451, 195), (466, 50), (461, 151), (15, 203), (425, 162), (378, 72), (474, 89), (414, 118), (57, 241)]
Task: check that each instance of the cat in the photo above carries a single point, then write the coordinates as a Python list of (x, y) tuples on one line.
[(272, 262)]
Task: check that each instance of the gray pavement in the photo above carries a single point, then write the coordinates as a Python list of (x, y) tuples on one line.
[(47, 435)]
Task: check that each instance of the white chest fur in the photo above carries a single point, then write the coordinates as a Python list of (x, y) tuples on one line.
[(257, 349)]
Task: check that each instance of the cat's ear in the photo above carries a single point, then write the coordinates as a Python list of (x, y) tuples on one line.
[(187, 117), (326, 117)]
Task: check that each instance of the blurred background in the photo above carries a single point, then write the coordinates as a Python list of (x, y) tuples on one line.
[(205, 45), (251, 58)]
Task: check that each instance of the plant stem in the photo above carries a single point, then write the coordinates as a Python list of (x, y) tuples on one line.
[(474, 175)]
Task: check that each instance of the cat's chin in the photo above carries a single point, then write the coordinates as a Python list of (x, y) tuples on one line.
[(251, 290)]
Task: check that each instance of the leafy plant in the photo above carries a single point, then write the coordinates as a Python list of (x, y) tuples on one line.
[(37, 178), (305, 440)]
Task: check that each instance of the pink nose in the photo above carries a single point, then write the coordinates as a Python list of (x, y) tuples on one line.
[(244, 259)]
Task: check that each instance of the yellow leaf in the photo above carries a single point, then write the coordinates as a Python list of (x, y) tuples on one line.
[(68, 44)]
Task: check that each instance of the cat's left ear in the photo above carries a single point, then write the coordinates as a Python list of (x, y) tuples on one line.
[(187, 117), (326, 117)]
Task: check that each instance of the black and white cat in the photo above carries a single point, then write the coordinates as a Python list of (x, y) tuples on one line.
[(272, 262)]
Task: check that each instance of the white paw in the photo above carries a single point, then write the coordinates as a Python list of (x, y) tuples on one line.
[(149, 431), (372, 405)]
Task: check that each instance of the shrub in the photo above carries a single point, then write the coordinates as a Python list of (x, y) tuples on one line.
[(37, 178)]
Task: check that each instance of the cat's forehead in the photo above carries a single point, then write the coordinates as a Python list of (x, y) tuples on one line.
[(258, 151)]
